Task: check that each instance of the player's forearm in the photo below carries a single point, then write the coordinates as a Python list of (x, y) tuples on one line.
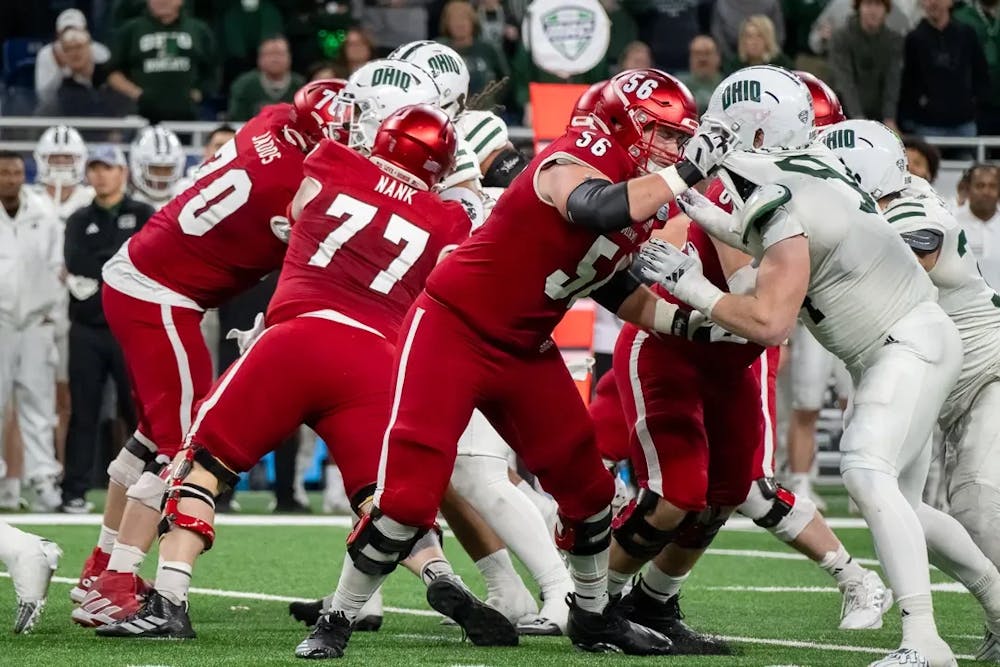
[(751, 318), (648, 311)]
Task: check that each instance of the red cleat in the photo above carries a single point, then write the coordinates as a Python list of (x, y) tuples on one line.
[(112, 598), (92, 569)]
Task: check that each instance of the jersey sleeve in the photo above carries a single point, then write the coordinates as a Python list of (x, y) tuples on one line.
[(781, 226), (322, 159)]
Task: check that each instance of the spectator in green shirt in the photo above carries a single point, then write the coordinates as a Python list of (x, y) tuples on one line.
[(984, 17), (705, 72), (758, 45), (273, 81), (460, 31), (163, 60)]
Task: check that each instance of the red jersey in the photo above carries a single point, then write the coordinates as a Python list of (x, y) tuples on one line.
[(364, 245), (718, 355), (214, 240), (514, 279)]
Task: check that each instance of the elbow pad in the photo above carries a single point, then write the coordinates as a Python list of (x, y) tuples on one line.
[(504, 168), (599, 205), (612, 294)]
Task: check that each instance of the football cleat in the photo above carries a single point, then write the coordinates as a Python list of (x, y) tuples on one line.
[(328, 638), (902, 656), (369, 618), (865, 601), (538, 626), (667, 619), (484, 625), (158, 618), (609, 632), (114, 597), (31, 571), (514, 601), (96, 563), (989, 650)]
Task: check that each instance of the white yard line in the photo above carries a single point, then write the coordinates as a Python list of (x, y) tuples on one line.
[(246, 595), (948, 587), (736, 523)]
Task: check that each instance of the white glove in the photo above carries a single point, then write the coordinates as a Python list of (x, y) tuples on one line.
[(281, 227), (710, 145), (81, 287), (717, 222), (246, 338), (679, 273)]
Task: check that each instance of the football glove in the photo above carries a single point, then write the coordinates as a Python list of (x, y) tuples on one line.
[(718, 223), (680, 273), (711, 143)]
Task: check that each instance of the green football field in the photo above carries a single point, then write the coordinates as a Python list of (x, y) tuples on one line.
[(776, 607)]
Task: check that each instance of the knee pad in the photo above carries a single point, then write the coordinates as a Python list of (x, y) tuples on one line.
[(361, 500), (702, 528), (638, 537), (777, 509), (376, 553), (587, 537), (149, 490), (128, 466)]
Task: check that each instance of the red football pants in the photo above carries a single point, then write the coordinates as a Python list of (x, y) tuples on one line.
[(444, 369), (330, 376), (168, 365), (694, 434)]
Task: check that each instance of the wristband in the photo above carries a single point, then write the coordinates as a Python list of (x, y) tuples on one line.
[(669, 319), (695, 290), (681, 176)]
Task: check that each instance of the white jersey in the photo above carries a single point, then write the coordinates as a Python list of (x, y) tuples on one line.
[(82, 196), (862, 280), (962, 292)]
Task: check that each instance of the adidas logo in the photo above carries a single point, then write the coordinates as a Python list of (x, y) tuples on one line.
[(92, 229)]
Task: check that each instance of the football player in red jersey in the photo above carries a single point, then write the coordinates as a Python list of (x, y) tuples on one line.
[(565, 228), (216, 239), (366, 233)]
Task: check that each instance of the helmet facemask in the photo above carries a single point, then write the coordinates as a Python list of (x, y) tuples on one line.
[(64, 169)]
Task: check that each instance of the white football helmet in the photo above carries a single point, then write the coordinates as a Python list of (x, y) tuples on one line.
[(872, 152), (61, 156), (767, 99), (378, 89), (156, 162), (445, 66)]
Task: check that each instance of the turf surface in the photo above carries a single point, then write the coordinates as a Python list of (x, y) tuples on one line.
[(304, 561)]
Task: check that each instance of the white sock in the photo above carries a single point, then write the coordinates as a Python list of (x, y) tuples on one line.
[(126, 558), (353, 590), (590, 573), (11, 542), (173, 580), (917, 613), (951, 549), (841, 566), (433, 569), (987, 590), (899, 539), (106, 540), (659, 585), (498, 571), (617, 581)]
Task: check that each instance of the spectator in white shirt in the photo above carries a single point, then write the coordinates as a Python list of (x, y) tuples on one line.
[(30, 262), (51, 65), (980, 218)]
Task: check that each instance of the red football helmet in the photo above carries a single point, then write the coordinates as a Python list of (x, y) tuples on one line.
[(826, 106), (639, 100), (418, 140), (586, 104), (317, 112)]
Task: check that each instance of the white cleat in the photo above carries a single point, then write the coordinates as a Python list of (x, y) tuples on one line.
[(935, 654), (537, 625), (989, 650), (866, 600), (554, 612), (32, 571), (514, 602), (902, 656), (47, 496)]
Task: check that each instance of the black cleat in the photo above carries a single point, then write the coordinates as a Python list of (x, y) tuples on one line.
[(157, 618), (484, 625), (328, 638), (667, 619), (309, 613), (609, 632)]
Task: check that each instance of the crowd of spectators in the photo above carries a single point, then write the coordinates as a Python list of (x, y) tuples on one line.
[(924, 66)]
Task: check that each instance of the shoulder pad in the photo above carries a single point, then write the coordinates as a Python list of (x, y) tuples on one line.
[(909, 213), (761, 205)]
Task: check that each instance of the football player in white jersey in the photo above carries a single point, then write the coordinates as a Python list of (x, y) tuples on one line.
[(156, 163), (60, 159), (31, 562), (969, 418), (823, 249)]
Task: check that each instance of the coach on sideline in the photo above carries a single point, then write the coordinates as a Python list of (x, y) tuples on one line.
[(93, 234)]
